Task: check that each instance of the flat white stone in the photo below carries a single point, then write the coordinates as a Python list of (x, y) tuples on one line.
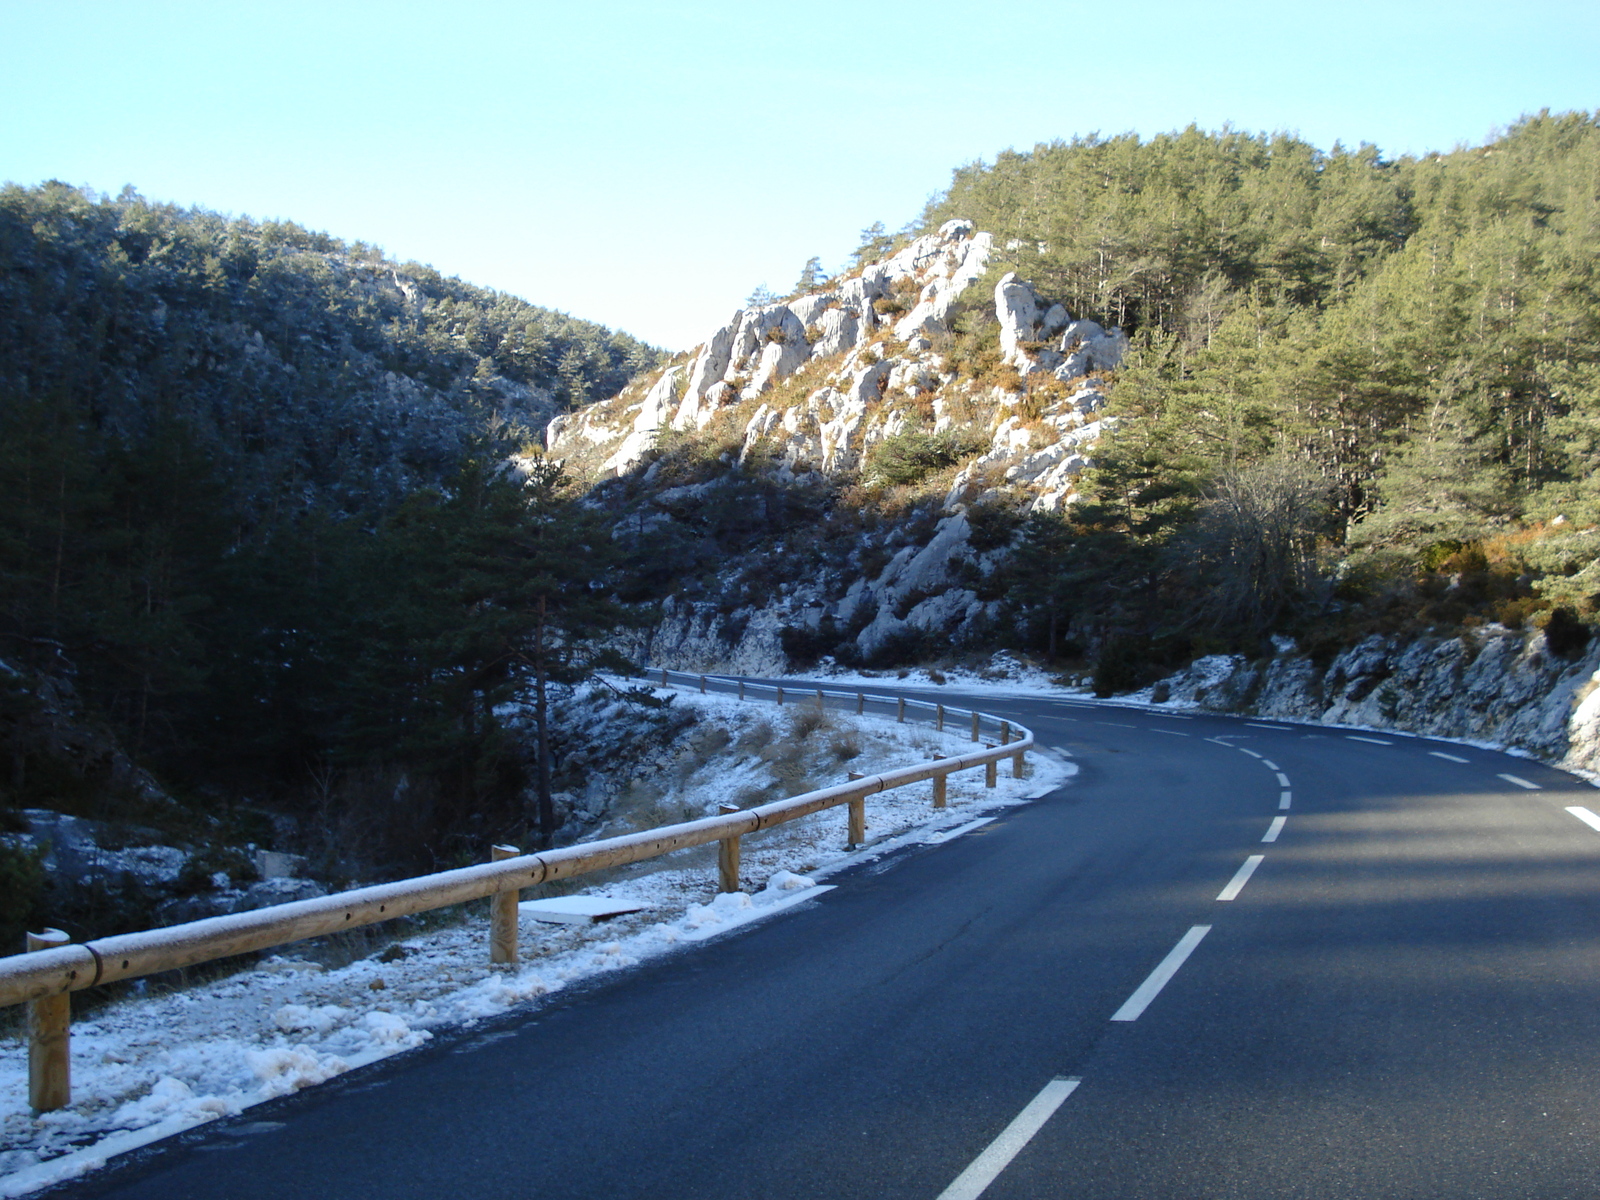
[(578, 910)]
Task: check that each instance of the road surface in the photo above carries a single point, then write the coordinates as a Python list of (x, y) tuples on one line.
[(1232, 958)]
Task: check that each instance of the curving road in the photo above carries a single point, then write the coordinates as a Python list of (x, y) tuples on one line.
[(1232, 959)]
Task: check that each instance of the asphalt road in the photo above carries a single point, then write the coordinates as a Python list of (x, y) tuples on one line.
[(1397, 995)]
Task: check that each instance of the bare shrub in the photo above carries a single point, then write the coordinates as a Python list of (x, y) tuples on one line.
[(808, 720), (845, 745), (756, 738), (1255, 543)]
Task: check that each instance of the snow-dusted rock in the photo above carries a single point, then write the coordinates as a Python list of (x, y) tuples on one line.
[(1494, 685)]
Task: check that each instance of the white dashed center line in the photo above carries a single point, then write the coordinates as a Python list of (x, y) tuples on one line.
[(1584, 815), (1251, 753), (1275, 829), (1520, 782), (1269, 764), (1283, 800), (1147, 991), (1283, 780), (970, 1184), (1241, 876), (1374, 741), (1448, 757)]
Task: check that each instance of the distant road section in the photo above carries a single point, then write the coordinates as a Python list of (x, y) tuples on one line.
[(1231, 958)]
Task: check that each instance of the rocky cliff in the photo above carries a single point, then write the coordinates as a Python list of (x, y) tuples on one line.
[(924, 353), (1499, 686)]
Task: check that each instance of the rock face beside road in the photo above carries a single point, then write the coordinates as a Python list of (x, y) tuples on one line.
[(1495, 685), (925, 344)]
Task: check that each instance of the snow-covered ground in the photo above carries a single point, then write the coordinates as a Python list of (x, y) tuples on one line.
[(153, 1065), (1004, 674)]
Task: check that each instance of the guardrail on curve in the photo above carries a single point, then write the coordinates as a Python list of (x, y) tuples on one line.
[(53, 968)]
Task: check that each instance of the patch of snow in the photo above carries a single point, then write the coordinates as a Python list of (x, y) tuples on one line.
[(150, 1066)]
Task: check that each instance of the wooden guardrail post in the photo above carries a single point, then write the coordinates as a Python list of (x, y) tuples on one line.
[(861, 703), (49, 1039), (741, 689), (990, 778), (940, 783), (975, 725), (1005, 733), (780, 695), (663, 677), (821, 703), (702, 685), (43, 978), (939, 719), (503, 914), (728, 857), (900, 712)]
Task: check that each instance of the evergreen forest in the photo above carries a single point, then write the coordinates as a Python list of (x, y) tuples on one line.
[(1363, 395), (275, 532), (268, 529)]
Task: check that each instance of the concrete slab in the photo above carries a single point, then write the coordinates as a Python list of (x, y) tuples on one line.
[(579, 910)]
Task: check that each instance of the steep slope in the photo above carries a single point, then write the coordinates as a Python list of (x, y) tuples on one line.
[(907, 401)]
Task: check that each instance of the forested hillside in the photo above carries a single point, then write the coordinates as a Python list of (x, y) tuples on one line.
[(275, 525), (257, 532), (1362, 393)]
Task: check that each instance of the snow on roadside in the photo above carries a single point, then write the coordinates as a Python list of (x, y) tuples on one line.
[(151, 1066)]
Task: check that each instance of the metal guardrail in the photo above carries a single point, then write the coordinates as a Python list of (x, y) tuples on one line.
[(53, 968)]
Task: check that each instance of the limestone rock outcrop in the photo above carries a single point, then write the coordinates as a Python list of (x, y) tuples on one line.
[(1492, 684), (812, 386)]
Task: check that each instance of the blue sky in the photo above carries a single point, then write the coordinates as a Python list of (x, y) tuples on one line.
[(648, 165)]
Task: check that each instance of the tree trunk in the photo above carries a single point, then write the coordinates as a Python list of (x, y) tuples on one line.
[(547, 808)]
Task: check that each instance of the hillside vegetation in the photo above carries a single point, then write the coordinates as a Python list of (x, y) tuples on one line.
[(257, 531), (1361, 394), (1178, 395), (277, 531)]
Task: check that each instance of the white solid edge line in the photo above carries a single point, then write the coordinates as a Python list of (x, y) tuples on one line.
[(1133, 1007), (1522, 783), (1275, 829), (970, 1184), (1350, 737), (1283, 800), (1584, 815), (949, 835), (1283, 780), (1442, 754), (1241, 877)]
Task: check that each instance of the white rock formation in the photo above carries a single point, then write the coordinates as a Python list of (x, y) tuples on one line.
[(816, 382), (1492, 684)]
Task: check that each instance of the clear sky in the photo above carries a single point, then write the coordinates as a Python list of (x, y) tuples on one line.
[(648, 165)]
